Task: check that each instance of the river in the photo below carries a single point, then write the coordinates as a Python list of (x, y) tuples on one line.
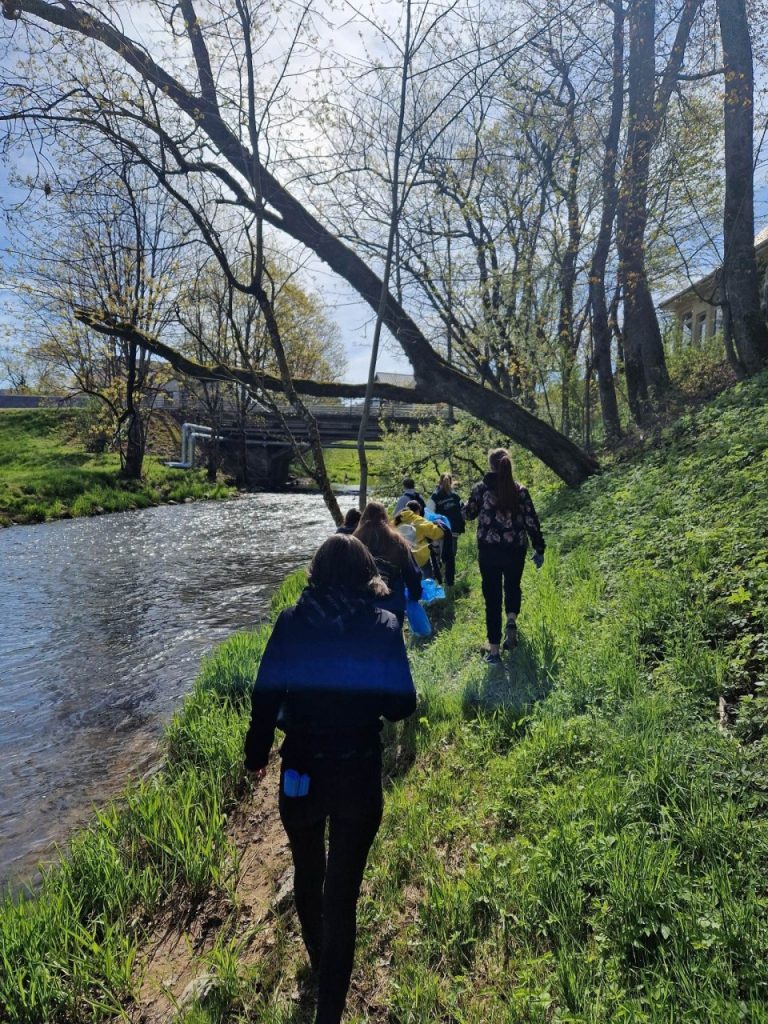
[(103, 623)]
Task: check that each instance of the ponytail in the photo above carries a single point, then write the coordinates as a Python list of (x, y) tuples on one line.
[(507, 493)]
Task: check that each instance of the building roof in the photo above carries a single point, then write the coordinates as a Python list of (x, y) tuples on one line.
[(401, 380), (707, 285)]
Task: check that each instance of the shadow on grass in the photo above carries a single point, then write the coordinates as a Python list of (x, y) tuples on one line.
[(512, 687)]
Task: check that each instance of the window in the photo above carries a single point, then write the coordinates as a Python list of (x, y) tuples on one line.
[(701, 328), (686, 327)]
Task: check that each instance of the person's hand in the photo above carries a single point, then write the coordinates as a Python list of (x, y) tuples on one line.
[(538, 559), (255, 775)]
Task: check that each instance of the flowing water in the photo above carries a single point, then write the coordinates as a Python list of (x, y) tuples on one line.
[(102, 626)]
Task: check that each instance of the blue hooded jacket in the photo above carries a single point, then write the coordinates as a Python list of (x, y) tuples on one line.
[(334, 665)]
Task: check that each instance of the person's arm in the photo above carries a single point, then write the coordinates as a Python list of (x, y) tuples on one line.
[(471, 509), (432, 531), (399, 694), (532, 524), (458, 525), (266, 698)]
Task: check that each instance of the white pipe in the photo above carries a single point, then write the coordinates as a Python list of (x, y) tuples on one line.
[(189, 431)]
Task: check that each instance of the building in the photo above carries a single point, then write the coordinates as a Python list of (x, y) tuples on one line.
[(697, 309)]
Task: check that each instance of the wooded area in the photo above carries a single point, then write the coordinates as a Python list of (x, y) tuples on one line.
[(505, 189)]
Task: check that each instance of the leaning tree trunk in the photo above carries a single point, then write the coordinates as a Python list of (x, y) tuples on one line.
[(601, 327), (445, 385), (740, 276)]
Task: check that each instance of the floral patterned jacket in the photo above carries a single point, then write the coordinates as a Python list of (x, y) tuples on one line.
[(495, 527)]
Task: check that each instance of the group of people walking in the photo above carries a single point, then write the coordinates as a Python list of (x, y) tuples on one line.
[(336, 665)]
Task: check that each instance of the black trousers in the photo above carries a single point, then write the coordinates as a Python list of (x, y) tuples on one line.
[(450, 543), (500, 571), (347, 795)]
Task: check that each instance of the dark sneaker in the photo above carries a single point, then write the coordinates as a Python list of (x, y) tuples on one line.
[(510, 637), (492, 659)]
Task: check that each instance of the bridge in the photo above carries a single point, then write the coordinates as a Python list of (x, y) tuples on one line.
[(336, 423), (267, 443)]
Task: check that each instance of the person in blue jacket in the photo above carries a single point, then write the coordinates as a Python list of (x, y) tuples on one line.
[(334, 666)]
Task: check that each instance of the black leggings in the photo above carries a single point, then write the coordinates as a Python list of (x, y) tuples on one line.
[(450, 542), (502, 567), (348, 795)]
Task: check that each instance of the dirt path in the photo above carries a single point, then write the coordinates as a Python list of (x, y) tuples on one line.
[(173, 968)]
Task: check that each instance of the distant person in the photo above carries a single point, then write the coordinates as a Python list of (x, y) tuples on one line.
[(506, 519), (409, 494), (419, 532), (351, 519), (334, 666), (393, 558), (446, 502)]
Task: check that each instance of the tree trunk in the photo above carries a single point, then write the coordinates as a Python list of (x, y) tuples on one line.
[(740, 276), (135, 440), (647, 377), (601, 328), (445, 385)]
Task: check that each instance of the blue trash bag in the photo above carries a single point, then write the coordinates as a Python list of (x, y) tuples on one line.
[(435, 517), (431, 591), (418, 619)]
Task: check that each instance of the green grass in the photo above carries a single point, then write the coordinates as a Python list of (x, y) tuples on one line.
[(569, 837), (45, 474), (344, 467)]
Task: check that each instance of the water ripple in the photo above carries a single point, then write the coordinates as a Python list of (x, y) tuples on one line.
[(102, 626)]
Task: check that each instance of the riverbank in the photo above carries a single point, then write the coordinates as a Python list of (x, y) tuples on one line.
[(46, 474), (579, 834)]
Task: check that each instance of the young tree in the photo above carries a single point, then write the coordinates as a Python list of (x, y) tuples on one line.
[(103, 243)]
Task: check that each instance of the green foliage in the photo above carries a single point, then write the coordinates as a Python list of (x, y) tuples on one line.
[(44, 474), (459, 448)]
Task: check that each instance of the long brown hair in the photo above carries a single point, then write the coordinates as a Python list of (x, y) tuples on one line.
[(446, 483), (343, 562), (379, 537), (507, 493)]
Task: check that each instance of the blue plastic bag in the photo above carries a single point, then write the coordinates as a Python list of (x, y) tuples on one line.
[(431, 591), (418, 619), (435, 517)]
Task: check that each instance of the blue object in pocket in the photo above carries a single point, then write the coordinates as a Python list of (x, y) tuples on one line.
[(294, 783)]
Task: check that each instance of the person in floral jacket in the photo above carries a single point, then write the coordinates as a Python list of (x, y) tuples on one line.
[(506, 519)]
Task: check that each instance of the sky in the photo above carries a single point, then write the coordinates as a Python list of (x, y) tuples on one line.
[(354, 318)]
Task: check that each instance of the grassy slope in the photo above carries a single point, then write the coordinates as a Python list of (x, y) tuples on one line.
[(598, 855), (44, 474), (343, 465)]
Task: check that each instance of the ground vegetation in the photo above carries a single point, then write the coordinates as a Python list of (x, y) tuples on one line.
[(576, 835)]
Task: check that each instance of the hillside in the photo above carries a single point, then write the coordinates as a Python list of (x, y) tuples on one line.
[(579, 834)]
